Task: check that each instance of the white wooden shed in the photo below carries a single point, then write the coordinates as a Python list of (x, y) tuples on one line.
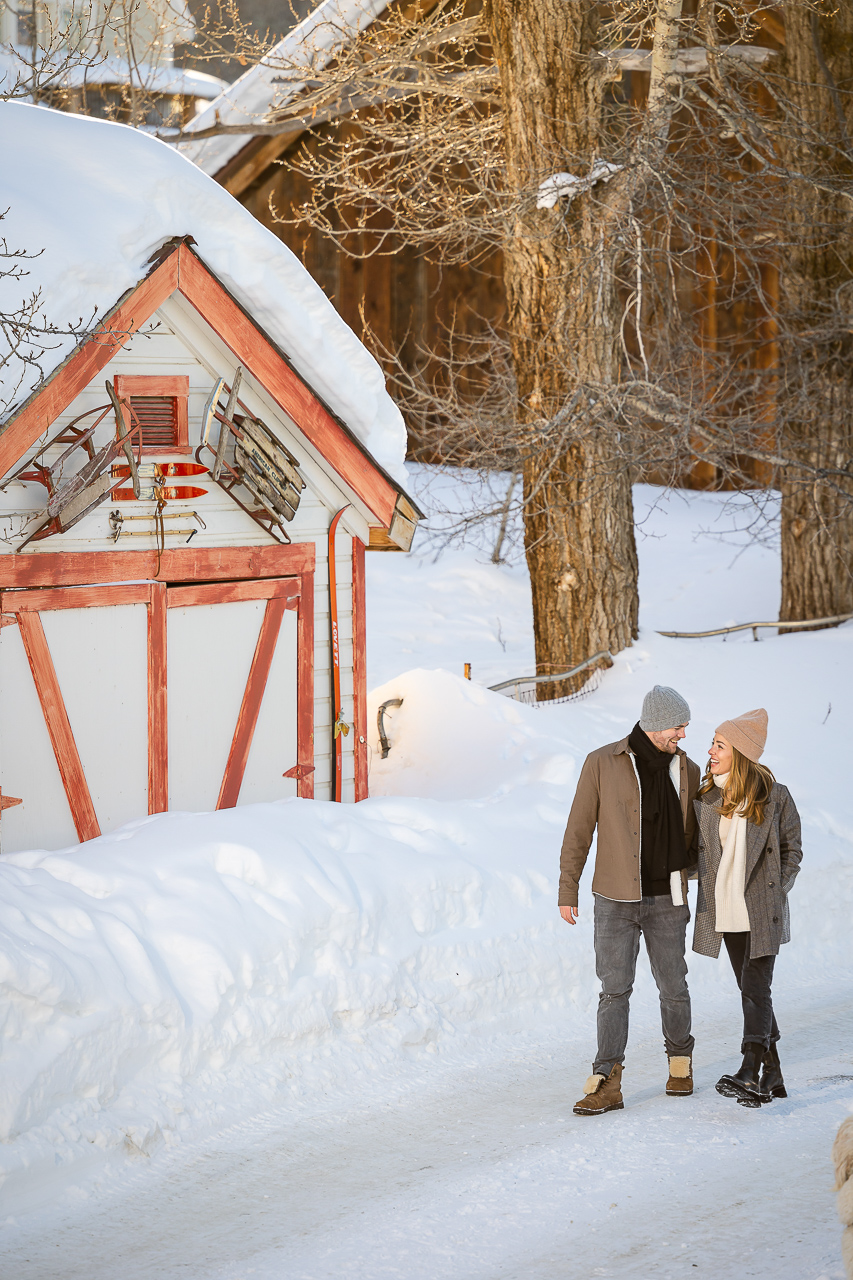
[(167, 637)]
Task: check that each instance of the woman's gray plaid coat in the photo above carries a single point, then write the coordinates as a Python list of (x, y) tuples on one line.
[(773, 855)]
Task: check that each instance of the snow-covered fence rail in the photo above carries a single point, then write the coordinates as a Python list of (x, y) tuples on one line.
[(523, 688), (753, 627)]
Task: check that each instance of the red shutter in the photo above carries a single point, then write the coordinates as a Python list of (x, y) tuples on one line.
[(160, 403), (159, 418)]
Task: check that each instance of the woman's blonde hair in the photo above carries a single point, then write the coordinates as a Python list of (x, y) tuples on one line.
[(747, 788)]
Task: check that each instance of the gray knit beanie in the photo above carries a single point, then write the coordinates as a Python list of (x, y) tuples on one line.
[(663, 708)]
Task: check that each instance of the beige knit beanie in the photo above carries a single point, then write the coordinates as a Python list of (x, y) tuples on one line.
[(746, 733)]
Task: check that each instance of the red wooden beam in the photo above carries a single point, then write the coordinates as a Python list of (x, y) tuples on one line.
[(86, 362), (252, 697), (305, 689), (76, 597), (232, 592), (338, 727), (261, 359), (359, 668), (158, 724), (58, 726), (151, 384), (183, 564)]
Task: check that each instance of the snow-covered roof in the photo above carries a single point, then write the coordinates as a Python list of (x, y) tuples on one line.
[(98, 198), (59, 73), (269, 84)]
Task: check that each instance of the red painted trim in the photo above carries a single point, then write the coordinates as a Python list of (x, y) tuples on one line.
[(182, 428), (183, 270), (183, 564), (247, 720), (298, 772), (232, 592), (359, 668), (305, 688), (158, 722), (58, 726), (176, 385), (8, 802), (151, 384), (260, 358), (76, 597), (86, 362), (337, 709)]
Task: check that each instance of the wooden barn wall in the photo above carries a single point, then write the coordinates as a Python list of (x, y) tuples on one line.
[(404, 303), (398, 302)]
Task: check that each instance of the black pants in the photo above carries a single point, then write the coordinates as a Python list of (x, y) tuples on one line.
[(754, 978)]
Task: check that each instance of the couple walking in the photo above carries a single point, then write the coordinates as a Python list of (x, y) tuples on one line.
[(657, 820)]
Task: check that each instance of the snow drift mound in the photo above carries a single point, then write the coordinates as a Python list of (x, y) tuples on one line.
[(452, 739), (188, 961)]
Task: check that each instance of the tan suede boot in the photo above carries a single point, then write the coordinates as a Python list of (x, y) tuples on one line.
[(601, 1093), (680, 1082)]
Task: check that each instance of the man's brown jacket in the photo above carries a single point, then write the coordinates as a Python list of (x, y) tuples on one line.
[(608, 795)]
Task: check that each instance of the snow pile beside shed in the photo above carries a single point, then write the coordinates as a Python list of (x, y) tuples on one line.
[(191, 965)]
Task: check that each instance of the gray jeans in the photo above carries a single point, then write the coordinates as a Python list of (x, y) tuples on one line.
[(618, 926)]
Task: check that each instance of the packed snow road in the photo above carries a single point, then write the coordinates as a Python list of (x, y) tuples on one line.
[(476, 1167)]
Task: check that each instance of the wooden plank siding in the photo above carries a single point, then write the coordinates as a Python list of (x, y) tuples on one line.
[(394, 301), (406, 304)]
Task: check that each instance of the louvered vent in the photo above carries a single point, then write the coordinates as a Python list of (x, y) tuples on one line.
[(158, 416)]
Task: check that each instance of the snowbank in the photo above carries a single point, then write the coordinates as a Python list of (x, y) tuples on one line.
[(152, 979), (98, 198), (157, 981)]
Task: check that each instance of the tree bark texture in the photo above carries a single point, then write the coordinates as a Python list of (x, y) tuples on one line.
[(816, 305), (559, 274)]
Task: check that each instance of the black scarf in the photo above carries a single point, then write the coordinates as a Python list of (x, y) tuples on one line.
[(663, 848)]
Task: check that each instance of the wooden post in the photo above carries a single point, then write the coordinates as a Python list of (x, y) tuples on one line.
[(703, 475), (158, 727), (339, 728), (767, 360), (359, 668)]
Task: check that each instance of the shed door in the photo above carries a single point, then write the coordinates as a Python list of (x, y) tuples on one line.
[(118, 701), (232, 697)]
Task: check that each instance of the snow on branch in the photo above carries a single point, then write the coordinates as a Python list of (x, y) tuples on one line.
[(566, 184)]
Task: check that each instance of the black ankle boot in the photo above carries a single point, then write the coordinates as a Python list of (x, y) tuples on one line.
[(743, 1085), (772, 1084)]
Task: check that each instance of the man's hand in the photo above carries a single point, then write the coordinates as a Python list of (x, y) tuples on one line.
[(569, 914)]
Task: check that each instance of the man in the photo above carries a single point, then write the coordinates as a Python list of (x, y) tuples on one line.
[(639, 792)]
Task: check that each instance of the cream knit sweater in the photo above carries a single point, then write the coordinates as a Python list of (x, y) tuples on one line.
[(731, 913)]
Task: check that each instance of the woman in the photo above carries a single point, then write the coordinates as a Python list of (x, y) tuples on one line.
[(749, 856)]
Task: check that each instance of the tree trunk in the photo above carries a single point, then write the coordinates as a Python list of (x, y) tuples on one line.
[(559, 275), (817, 292)]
